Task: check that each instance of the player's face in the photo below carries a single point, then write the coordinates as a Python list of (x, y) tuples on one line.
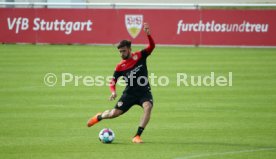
[(125, 52)]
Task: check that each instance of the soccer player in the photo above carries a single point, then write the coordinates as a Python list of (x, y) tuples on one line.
[(133, 68)]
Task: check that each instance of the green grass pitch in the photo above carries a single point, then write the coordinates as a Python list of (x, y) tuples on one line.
[(41, 122)]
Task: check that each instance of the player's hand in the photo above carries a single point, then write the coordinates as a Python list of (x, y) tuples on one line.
[(113, 96), (147, 28)]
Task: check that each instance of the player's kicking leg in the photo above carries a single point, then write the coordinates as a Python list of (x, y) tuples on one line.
[(108, 114), (144, 121)]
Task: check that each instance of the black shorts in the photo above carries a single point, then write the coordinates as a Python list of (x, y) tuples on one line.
[(128, 100)]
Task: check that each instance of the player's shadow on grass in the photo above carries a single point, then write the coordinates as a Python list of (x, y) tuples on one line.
[(120, 143)]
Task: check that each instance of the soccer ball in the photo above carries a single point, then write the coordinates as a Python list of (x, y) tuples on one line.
[(106, 136)]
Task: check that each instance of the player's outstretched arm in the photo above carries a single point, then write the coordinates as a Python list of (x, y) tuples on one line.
[(112, 84), (151, 45), (147, 28), (112, 87)]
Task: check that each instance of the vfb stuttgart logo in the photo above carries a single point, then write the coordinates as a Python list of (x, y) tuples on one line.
[(134, 24)]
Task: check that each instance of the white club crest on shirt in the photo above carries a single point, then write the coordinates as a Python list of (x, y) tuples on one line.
[(135, 57), (134, 24)]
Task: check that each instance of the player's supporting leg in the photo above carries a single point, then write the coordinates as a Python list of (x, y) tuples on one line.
[(105, 115), (144, 121)]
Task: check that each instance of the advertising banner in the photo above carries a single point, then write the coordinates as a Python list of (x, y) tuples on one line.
[(109, 26)]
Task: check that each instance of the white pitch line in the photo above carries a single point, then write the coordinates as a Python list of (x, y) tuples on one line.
[(225, 153)]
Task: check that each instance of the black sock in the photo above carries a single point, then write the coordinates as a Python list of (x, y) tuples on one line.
[(139, 131), (99, 117)]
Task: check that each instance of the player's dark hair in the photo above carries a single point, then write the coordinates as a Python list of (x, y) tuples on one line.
[(124, 43)]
